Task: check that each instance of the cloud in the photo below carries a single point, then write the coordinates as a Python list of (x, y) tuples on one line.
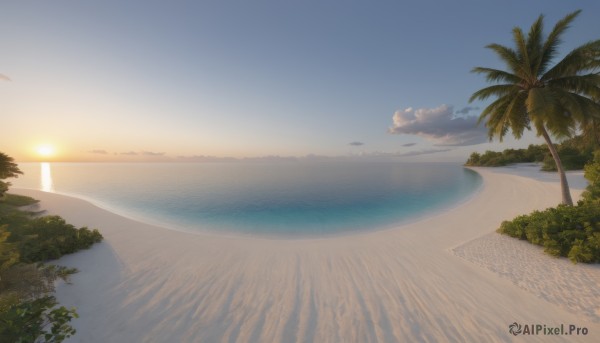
[(271, 158), (129, 153), (439, 125), (313, 157), (409, 153), (202, 158), (98, 151), (466, 110), (409, 144), (151, 153), (4, 77), (356, 143), (421, 152)]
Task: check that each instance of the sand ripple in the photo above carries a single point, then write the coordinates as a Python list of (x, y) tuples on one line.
[(557, 280)]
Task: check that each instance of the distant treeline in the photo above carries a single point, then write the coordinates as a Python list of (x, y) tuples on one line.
[(574, 153)]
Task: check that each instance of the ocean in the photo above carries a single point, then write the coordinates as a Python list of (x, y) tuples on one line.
[(270, 199)]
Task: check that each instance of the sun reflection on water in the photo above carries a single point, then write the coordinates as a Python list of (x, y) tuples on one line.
[(46, 178)]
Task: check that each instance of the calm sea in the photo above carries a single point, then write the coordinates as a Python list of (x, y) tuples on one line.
[(291, 199)]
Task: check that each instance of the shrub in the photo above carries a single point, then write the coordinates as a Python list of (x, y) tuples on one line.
[(28, 321), (569, 231), (18, 200), (592, 174), (49, 237)]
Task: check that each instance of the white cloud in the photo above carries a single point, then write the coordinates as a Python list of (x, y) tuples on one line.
[(4, 77), (439, 125), (203, 158), (466, 110), (98, 151), (409, 153), (152, 153)]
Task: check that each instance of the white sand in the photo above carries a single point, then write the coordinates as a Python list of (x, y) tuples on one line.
[(415, 283)]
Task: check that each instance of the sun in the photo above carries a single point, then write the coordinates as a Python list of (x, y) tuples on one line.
[(45, 150)]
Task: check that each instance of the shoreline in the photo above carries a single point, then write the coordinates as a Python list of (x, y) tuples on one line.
[(208, 231), (146, 283)]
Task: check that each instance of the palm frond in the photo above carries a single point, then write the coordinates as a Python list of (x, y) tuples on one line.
[(551, 45), (498, 124), (546, 110), (522, 53), (540, 104), (561, 127), (571, 103), (510, 57), (498, 115), (583, 58), (495, 90), (516, 113), (534, 44), (580, 107), (493, 108), (496, 75), (587, 85)]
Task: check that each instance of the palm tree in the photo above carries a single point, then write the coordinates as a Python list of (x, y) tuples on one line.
[(553, 99)]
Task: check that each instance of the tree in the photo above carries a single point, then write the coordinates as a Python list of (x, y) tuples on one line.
[(9, 254), (28, 313), (7, 169), (554, 99), (37, 320)]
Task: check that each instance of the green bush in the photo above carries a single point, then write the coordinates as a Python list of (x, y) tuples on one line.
[(569, 231), (592, 174), (30, 320), (49, 237), (18, 200)]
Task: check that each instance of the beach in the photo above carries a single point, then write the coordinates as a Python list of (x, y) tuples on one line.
[(444, 278)]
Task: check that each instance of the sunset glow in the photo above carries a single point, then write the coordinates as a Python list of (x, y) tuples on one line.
[(261, 84), (45, 150)]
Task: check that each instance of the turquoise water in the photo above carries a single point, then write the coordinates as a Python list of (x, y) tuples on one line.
[(292, 199)]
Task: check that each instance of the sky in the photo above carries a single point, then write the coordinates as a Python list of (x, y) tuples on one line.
[(207, 80)]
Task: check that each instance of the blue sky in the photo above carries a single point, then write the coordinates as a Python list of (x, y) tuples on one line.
[(156, 80)]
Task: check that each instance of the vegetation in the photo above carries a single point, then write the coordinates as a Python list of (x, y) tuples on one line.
[(34, 320), (569, 231), (574, 154), (28, 310), (17, 200), (592, 174), (534, 153), (554, 99), (8, 169), (46, 238)]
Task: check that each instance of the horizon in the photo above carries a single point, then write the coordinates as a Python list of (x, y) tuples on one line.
[(389, 158), (98, 82)]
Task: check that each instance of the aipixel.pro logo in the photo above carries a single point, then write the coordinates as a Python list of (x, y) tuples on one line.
[(516, 329)]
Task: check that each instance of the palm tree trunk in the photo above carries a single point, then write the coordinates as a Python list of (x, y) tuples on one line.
[(564, 185)]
